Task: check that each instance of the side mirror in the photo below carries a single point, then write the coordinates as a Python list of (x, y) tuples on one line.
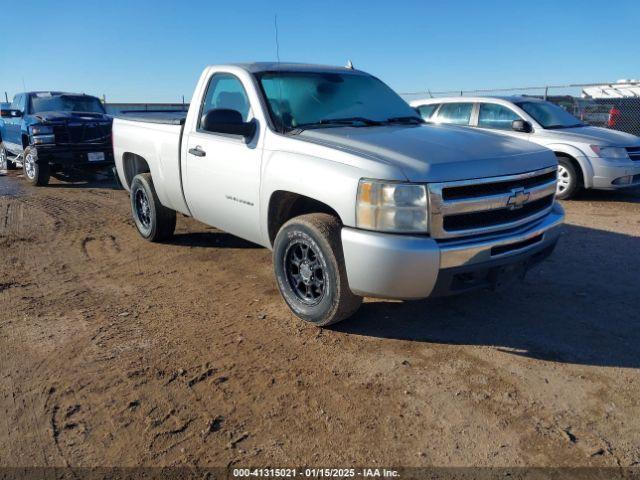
[(10, 113), (521, 126), (223, 120)]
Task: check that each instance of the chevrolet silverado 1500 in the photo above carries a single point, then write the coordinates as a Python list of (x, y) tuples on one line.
[(352, 191)]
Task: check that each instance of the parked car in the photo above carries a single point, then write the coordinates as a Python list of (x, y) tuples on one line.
[(588, 157), (352, 191), (53, 131)]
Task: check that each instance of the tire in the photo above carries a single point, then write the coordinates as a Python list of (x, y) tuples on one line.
[(154, 221), (5, 163), (310, 271), (569, 179), (36, 173)]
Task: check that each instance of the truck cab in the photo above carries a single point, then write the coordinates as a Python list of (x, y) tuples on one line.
[(49, 132)]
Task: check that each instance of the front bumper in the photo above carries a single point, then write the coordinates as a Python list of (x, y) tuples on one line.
[(608, 174), (411, 267), (66, 156)]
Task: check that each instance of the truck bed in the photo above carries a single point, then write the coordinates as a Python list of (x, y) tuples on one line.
[(168, 117)]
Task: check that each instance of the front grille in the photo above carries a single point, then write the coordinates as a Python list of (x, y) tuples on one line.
[(482, 189), (490, 218), (487, 205), (634, 153), (82, 133)]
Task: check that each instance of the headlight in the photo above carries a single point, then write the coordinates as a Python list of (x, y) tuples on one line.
[(610, 152), (41, 130), (392, 207), (43, 139)]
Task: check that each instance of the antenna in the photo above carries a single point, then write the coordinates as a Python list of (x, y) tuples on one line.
[(279, 114), (275, 24), (349, 65)]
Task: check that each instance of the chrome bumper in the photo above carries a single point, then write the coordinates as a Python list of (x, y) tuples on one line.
[(412, 267)]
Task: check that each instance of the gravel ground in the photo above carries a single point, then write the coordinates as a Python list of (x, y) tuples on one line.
[(117, 352)]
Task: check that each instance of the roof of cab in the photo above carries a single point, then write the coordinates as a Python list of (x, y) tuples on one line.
[(260, 67)]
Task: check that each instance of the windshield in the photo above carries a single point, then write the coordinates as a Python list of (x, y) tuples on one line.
[(300, 100), (550, 115), (66, 103)]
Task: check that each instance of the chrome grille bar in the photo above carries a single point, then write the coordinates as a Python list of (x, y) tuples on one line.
[(440, 208)]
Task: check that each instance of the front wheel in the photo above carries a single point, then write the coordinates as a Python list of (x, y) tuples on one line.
[(154, 221), (36, 173), (310, 271), (568, 179), (3, 159), (5, 162)]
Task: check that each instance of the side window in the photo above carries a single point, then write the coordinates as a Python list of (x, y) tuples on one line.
[(455, 113), (226, 91), (426, 111), (496, 116), (18, 103)]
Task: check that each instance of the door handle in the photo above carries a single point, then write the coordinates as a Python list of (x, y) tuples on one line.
[(198, 152)]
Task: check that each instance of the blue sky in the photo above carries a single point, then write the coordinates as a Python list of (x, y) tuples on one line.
[(154, 50)]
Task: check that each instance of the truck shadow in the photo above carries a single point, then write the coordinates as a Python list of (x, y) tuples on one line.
[(631, 195), (84, 180), (580, 306), (210, 240)]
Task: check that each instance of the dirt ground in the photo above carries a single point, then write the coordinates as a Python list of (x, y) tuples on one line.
[(117, 352)]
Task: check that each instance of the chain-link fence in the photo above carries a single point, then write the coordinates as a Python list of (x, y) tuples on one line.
[(608, 105)]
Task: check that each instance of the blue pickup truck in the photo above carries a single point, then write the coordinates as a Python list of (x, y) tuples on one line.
[(51, 132)]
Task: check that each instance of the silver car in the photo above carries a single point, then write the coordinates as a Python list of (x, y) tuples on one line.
[(588, 157)]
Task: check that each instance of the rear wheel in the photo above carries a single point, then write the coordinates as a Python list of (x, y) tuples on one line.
[(569, 180), (154, 221), (310, 270), (36, 173)]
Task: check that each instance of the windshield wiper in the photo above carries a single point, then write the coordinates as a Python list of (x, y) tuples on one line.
[(405, 120), (336, 122), (350, 121), (557, 127)]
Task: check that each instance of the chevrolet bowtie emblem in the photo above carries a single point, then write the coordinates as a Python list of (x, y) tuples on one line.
[(518, 197)]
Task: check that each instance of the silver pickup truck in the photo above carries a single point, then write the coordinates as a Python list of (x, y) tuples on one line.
[(352, 191)]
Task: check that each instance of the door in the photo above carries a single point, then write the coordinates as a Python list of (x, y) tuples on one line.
[(13, 136), (222, 178), (498, 118)]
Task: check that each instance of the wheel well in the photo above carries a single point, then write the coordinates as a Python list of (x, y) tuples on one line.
[(132, 165), (575, 164), (283, 206), (25, 141)]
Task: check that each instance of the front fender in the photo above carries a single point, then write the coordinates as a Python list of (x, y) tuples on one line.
[(579, 156), (332, 183)]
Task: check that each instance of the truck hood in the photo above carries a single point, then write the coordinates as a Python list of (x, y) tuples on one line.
[(437, 153), (592, 136), (61, 117)]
